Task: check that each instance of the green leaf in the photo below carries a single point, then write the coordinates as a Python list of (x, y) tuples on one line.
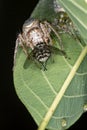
[(44, 10), (77, 10), (38, 89)]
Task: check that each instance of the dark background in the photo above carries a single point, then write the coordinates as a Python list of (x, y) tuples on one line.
[(13, 114)]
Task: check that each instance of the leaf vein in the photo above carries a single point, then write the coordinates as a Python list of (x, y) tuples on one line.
[(37, 112), (78, 6), (70, 66), (51, 87), (30, 90), (75, 96), (61, 117)]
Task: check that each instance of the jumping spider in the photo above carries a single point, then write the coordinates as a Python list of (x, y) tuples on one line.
[(36, 36)]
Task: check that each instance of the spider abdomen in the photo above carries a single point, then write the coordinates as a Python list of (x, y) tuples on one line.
[(41, 52)]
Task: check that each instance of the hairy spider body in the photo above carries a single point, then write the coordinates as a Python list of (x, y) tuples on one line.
[(36, 36)]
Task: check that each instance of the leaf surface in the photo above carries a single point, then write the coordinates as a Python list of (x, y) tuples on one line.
[(37, 88), (77, 10)]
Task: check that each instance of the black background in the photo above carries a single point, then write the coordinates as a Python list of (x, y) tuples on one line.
[(13, 114)]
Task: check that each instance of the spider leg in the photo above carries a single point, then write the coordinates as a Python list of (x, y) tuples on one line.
[(56, 33), (46, 33), (58, 51), (20, 43), (43, 66), (15, 51)]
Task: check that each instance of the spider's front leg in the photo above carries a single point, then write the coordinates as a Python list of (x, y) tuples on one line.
[(56, 33), (46, 31), (20, 43)]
